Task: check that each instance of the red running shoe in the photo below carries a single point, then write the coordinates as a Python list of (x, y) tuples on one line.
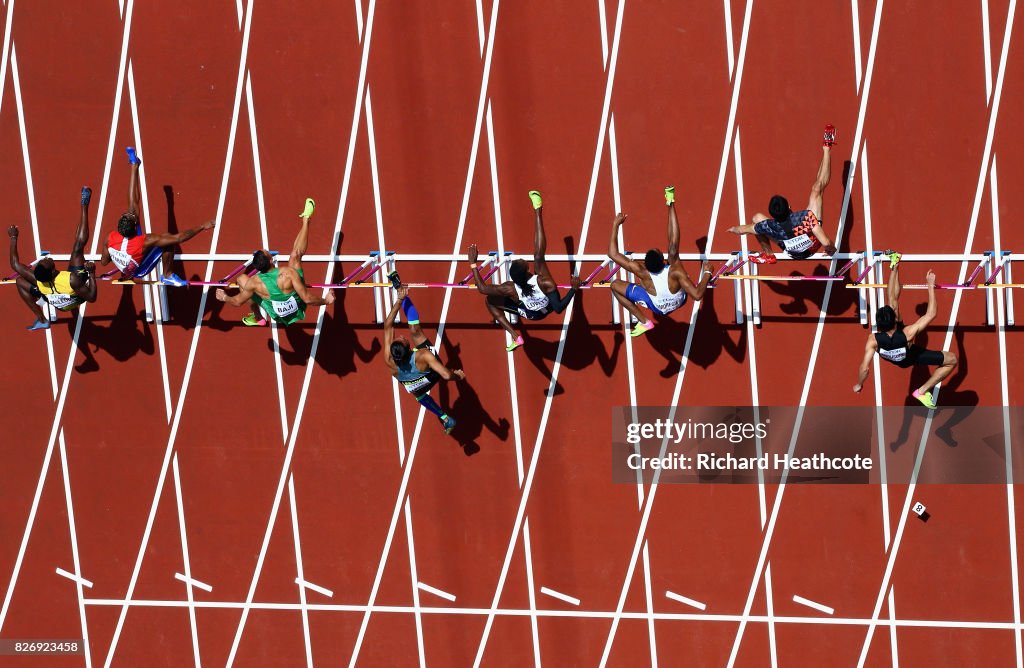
[(830, 135), (763, 258)]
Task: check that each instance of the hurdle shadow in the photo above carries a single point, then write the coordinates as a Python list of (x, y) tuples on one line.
[(339, 347), (582, 347), (957, 403), (668, 338), (127, 334), (801, 293), (467, 409)]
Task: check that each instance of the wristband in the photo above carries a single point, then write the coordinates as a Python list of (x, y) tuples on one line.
[(473, 266)]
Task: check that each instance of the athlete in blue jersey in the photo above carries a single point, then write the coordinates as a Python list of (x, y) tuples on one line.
[(413, 363)]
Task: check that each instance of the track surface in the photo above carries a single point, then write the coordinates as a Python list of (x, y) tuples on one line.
[(269, 467)]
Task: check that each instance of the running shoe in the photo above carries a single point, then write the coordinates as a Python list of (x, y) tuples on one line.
[(308, 211), (642, 328), (925, 398), (515, 344), (448, 422), (86, 195), (38, 324), (535, 198), (174, 280), (829, 139), (133, 157), (670, 195), (251, 321), (894, 257), (763, 258), (396, 282)]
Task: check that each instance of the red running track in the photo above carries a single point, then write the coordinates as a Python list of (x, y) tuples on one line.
[(203, 435)]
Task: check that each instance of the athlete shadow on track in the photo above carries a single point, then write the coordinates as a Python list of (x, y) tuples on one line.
[(467, 409), (339, 343), (122, 339), (842, 301), (183, 303), (957, 404), (582, 347), (668, 338)]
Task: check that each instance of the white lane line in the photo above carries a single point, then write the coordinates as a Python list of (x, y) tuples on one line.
[(603, 19), (685, 600), (186, 560), (278, 370), (816, 345), (311, 363), (1011, 505), (115, 115), (323, 591), (79, 581), (414, 576), (727, 8), (572, 600), (435, 591), (855, 17), (6, 51), (556, 368), (480, 25), (492, 152), (176, 421), (811, 604), (407, 469), (192, 582), (82, 582), (983, 173), (986, 50)]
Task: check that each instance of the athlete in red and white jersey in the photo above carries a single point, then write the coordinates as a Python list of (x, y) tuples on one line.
[(135, 253)]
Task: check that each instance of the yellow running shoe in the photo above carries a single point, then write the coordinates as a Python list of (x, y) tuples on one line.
[(535, 198), (308, 211), (670, 195)]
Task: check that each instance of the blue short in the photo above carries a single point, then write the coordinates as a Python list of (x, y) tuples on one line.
[(637, 294)]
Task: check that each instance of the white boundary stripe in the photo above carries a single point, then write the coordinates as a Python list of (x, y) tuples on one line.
[(730, 56), (855, 16), (176, 421), (311, 363), (74, 578), (6, 51), (436, 592), (79, 580), (323, 591), (414, 577), (983, 173), (556, 368), (192, 582), (560, 596), (815, 347), (686, 600), (187, 561), (811, 604), (569, 614), (1011, 505), (986, 49)]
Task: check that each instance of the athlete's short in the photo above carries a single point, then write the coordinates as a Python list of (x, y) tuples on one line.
[(637, 294), (149, 260), (918, 355), (797, 240), (512, 306)]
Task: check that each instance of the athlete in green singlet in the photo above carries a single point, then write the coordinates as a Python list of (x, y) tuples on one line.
[(279, 293)]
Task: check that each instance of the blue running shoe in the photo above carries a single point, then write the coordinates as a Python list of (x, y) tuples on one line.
[(448, 422), (86, 195), (132, 157), (175, 280), (38, 324)]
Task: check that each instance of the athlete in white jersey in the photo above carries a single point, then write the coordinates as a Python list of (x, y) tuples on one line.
[(661, 288), (531, 296)]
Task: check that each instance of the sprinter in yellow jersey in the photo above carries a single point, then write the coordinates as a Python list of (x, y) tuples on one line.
[(63, 290)]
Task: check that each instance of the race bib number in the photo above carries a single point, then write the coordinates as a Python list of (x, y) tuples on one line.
[(414, 386), (61, 301), (798, 244), (123, 261), (669, 304), (285, 308), (894, 355)]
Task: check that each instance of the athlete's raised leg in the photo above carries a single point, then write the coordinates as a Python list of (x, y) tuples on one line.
[(82, 232), (302, 240)]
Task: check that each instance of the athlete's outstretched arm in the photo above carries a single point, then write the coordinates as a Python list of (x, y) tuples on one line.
[(245, 292), (558, 303), (389, 327), (865, 365), (929, 315), (502, 290), (442, 370), (673, 234), (613, 247), (16, 264), (307, 295), (164, 240), (696, 292), (87, 290)]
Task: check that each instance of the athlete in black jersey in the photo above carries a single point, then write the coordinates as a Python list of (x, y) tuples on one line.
[(894, 341)]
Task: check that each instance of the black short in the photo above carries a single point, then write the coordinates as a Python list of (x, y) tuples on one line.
[(512, 306), (918, 355)]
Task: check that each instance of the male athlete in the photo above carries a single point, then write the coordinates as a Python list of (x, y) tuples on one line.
[(413, 363), (278, 293), (530, 296), (798, 233), (662, 288), (894, 341), (135, 253), (63, 290)]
